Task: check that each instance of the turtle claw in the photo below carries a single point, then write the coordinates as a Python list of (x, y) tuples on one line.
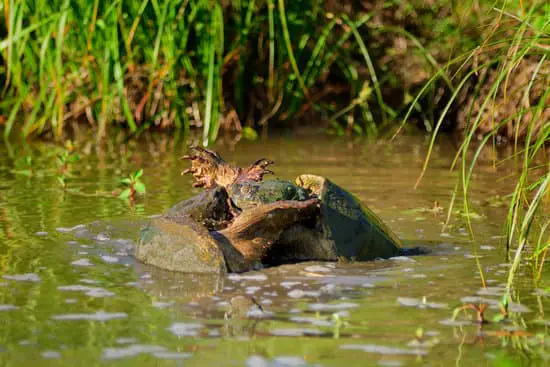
[(257, 170), (210, 170)]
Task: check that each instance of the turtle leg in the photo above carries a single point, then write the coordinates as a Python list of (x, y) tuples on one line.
[(254, 231), (209, 169), (256, 171)]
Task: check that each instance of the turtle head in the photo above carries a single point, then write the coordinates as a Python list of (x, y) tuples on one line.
[(311, 183)]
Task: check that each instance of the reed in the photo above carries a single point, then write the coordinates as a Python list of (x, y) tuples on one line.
[(166, 63), (206, 64), (491, 70)]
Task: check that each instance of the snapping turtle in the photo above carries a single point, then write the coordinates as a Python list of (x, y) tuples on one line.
[(240, 222)]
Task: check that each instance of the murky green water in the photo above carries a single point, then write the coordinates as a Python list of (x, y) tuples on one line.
[(71, 294)]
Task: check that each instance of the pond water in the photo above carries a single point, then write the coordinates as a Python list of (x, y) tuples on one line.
[(71, 294)]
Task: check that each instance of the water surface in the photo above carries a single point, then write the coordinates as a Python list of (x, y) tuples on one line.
[(71, 294)]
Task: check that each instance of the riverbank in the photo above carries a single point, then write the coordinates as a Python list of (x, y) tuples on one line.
[(352, 68)]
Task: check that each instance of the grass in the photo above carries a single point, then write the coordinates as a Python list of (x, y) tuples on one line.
[(158, 63), (210, 64), (492, 70)]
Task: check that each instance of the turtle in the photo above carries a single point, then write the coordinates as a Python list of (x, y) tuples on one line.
[(241, 222)]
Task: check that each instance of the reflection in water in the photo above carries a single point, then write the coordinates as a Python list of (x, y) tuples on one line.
[(71, 292)]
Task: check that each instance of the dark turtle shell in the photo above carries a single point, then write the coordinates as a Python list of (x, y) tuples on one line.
[(246, 194), (356, 231)]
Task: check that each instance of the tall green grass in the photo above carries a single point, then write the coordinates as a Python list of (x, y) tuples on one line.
[(180, 63), (516, 37)]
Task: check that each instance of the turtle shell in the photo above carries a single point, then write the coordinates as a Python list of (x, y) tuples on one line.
[(246, 194), (356, 231)]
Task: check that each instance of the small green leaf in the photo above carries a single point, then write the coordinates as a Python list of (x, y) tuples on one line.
[(138, 174), (125, 194), (139, 187), (126, 181)]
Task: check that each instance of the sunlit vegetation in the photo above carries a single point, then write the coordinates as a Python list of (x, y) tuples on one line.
[(246, 65)]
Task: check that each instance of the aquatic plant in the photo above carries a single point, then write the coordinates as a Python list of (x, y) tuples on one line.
[(133, 186), (64, 160)]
